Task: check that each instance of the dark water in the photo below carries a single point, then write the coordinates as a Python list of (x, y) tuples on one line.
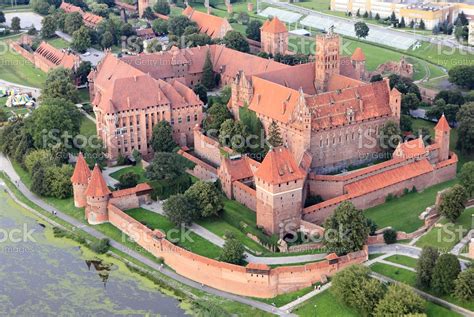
[(45, 276)]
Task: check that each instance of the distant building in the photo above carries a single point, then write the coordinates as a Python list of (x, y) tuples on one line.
[(214, 26), (47, 57), (274, 37), (90, 20)]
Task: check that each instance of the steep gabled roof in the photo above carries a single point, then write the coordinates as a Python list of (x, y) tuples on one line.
[(210, 24), (82, 172), (238, 169), (279, 166), (274, 26), (57, 57), (358, 55), (442, 124), (410, 149), (97, 186)]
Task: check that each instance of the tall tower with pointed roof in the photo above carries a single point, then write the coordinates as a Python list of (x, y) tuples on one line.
[(97, 195), (80, 180), (274, 37), (279, 185), (442, 133), (358, 62), (327, 59)]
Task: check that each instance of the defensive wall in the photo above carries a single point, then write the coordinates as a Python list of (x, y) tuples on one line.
[(255, 280), (23, 52)]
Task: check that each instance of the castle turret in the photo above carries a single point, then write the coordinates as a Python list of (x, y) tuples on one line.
[(274, 37), (327, 59), (442, 132), (358, 62), (97, 195), (279, 185), (80, 180)]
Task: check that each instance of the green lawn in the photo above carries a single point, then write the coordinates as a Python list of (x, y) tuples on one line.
[(84, 95), (402, 213), (195, 243), (409, 277), (88, 127), (14, 68), (324, 305), (58, 42), (403, 260), (284, 299), (446, 237), (137, 169)]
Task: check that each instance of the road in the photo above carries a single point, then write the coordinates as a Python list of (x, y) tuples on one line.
[(6, 166), (35, 92), (386, 30)]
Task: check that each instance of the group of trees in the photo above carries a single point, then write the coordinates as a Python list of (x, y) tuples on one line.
[(442, 274), (461, 27), (453, 202), (356, 289)]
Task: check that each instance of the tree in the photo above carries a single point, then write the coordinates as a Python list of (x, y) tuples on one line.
[(274, 135), (376, 78), (15, 24), (162, 7), (393, 19), (137, 156), (38, 184), (148, 14), (453, 202), (59, 181), (365, 15), (462, 75), (232, 252), (3, 116), (409, 102), (201, 91), (56, 118), (107, 40), (390, 135), (466, 177), (422, 26), (59, 85), (197, 39), (73, 22), (127, 30), (425, 266), (206, 197), (465, 119), (128, 180), (404, 85), (377, 17), (399, 300), (216, 115), (454, 97), (160, 26), (83, 71), (94, 153), (48, 26), (234, 135), (81, 40), (167, 166), (390, 236), (180, 210), (162, 137), (353, 224), (208, 79), (445, 272), (440, 107), (99, 9), (32, 30), (402, 23), (464, 285), (361, 30), (38, 157), (356, 289), (2, 17), (405, 123), (253, 30), (358, 13), (177, 25), (235, 40)]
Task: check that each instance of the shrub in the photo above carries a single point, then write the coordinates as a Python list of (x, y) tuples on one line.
[(100, 246), (390, 236), (389, 197)]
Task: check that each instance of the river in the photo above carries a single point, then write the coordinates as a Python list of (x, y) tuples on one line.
[(45, 276)]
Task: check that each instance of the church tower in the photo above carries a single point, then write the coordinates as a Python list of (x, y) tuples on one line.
[(327, 59), (442, 132), (80, 179), (97, 195), (279, 185)]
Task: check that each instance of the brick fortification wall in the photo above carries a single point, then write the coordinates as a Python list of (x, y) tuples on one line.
[(201, 170), (245, 281), (20, 50), (245, 195), (207, 148)]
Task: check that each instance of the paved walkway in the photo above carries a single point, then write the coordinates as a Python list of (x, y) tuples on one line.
[(6, 166), (112, 182), (458, 247), (294, 304), (397, 265)]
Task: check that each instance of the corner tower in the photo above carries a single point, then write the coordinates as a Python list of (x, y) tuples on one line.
[(274, 37), (358, 62), (80, 180), (279, 185), (442, 133), (327, 59), (97, 195)]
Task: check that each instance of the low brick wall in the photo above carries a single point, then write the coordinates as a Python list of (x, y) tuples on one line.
[(20, 50), (201, 170), (254, 280), (245, 195)]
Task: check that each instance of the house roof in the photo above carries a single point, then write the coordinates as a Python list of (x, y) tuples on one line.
[(279, 166), (358, 55), (92, 19), (57, 57), (210, 24), (70, 8), (274, 26), (97, 186), (237, 169), (142, 187), (442, 124), (410, 149), (82, 172)]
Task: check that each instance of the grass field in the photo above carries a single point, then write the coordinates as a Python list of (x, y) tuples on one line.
[(58, 42), (84, 95), (324, 305), (402, 213), (137, 169), (403, 260), (446, 237), (16, 69), (284, 299), (88, 127)]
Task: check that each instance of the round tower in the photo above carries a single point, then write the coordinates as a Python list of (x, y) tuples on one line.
[(97, 195), (80, 180)]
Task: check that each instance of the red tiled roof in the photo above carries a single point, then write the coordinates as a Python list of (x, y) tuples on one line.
[(331, 256), (238, 169), (130, 191), (358, 55), (91, 19), (212, 25), (410, 149), (57, 57), (258, 266), (97, 186), (442, 124), (274, 26), (279, 166), (82, 172), (70, 8)]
